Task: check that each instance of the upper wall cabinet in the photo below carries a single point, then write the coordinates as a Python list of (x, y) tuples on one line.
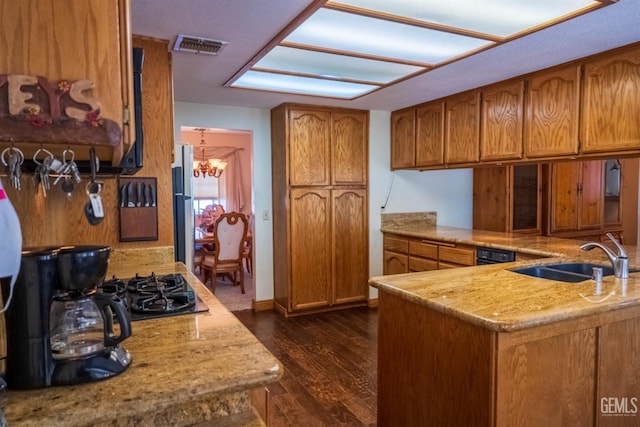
[(586, 108), (430, 134), (462, 128), (65, 74), (403, 139), (611, 103), (552, 113), (502, 119)]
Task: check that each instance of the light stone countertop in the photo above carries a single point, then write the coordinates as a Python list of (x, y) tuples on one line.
[(186, 369), (493, 297)]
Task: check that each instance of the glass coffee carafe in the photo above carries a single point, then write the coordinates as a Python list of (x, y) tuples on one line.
[(82, 324)]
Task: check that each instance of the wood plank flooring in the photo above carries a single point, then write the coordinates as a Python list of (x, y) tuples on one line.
[(330, 364)]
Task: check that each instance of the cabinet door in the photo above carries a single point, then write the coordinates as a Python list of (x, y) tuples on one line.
[(430, 134), (577, 196), (525, 198), (395, 263), (564, 189), (491, 198), (592, 195), (349, 154), (350, 245), (403, 139), (462, 130), (310, 248), (611, 105), (309, 137), (72, 41), (502, 122), (552, 111)]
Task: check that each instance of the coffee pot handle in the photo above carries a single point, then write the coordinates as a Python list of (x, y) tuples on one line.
[(118, 308)]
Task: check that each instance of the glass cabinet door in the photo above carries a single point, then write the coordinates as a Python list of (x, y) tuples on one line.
[(612, 184), (526, 197)]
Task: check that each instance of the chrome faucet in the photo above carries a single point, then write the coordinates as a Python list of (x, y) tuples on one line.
[(619, 261)]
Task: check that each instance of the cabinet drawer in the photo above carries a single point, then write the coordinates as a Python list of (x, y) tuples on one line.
[(396, 245), (457, 255), (425, 250), (421, 264)]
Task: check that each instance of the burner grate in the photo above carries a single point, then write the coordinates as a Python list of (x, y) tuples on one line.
[(155, 296)]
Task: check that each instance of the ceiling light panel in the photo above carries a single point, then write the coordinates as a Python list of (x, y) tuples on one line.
[(497, 17), (333, 66), (347, 32), (302, 85), (349, 48)]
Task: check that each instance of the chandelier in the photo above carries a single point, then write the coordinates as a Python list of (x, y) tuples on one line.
[(204, 166)]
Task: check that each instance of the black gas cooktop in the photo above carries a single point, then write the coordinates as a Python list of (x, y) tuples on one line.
[(148, 297)]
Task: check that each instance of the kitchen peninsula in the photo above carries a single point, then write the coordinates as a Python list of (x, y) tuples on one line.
[(486, 346), (193, 369)]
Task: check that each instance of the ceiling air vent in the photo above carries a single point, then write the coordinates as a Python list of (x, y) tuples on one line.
[(198, 45)]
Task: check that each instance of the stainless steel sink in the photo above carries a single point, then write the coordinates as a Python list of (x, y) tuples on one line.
[(564, 272)]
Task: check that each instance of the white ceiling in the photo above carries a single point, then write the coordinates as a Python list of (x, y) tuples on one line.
[(248, 25)]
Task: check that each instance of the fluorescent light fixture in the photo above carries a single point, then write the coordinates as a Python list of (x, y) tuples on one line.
[(348, 48), (302, 85), (334, 66)]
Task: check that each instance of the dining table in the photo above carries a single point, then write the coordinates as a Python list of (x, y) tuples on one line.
[(203, 237)]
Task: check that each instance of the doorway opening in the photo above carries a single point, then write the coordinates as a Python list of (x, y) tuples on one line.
[(231, 191)]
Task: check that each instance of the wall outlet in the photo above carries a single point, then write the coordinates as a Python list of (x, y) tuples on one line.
[(265, 215)]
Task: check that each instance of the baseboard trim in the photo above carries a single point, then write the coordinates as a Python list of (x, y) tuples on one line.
[(263, 305), (373, 302)]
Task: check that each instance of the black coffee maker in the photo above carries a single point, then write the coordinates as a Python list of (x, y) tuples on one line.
[(60, 331)]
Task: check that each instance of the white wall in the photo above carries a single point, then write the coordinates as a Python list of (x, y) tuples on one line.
[(447, 192), (257, 121)]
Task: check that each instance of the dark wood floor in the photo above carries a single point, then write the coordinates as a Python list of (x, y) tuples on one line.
[(330, 363)]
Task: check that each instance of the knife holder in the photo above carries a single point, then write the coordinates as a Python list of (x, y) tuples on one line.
[(138, 201)]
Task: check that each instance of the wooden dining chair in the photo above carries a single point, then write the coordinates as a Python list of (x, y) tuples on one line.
[(230, 233)]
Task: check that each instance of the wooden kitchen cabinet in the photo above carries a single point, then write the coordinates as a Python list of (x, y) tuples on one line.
[(72, 41), (552, 111), (417, 136), (320, 212), (430, 134), (508, 198), (462, 128), (576, 196), (403, 139), (408, 254), (502, 121), (610, 103), (396, 255)]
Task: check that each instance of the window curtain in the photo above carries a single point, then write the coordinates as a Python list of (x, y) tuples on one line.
[(230, 188)]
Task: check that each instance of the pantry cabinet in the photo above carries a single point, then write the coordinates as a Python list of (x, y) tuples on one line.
[(502, 121), (320, 212), (552, 113), (72, 61), (610, 105)]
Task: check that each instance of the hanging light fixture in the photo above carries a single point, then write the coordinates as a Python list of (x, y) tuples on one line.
[(204, 166)]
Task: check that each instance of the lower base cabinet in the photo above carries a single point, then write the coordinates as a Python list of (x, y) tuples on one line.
[(404, 255), (578, 372)]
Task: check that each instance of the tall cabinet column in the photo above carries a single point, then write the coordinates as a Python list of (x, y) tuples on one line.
[(320, 211)]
